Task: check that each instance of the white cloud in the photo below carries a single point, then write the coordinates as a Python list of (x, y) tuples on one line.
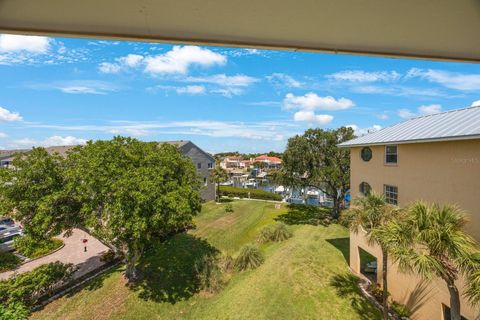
[(77, 86), (311, 101), (451, 80), (311, 117), (108, 67), (270, 131), (48, 142), (14, 43), (238, 80), (363, 131), (180, 59), (382, 116), (476, 103), (365, 76), (406, 114), (395, 90), (122, 63), (3, 135), (191, 90), (430, 109), (421, 111), (9, 116), (223, 84), (283, 80)]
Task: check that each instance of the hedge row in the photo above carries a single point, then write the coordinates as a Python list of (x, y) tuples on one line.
[(243, 193)]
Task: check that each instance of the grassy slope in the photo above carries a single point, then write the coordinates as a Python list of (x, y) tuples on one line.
[(304, 277)]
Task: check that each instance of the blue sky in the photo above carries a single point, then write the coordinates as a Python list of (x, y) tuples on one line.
[(57, 91)]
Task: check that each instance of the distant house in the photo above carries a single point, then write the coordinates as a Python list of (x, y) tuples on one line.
[(435, 158), (202, 161), (270, 162), (232, 162)]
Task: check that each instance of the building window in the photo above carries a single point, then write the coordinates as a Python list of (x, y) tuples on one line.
[(391, 194), (199, 165), (210, 165), (366, 154), (205, 181), (391, 155), (365, 188)]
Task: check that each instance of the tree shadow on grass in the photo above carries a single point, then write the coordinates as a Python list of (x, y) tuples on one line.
[(303, 214), (343, 245), (168, 270), (346, 286)]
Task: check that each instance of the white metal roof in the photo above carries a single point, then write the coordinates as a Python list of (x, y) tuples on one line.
[(461, 124)]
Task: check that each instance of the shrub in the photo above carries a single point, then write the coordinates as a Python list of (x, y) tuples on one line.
[(243, 193), (226, 263), (108, 256), (376, 291), (228, 207), (276, 233), (209, 274), (400, 309), (8, 261), (28, 287), (34, 248), (14, 311), (250, 257)]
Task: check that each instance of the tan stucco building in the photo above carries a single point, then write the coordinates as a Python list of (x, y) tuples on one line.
[(434, 158)]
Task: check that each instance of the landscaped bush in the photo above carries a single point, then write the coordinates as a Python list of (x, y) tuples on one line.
[(305, 214), (108, 256), (8, 261), (243, 193), (276, 233), (400, 309), (228, 207), (209, 274), (250, 257), (33, 248), (28, 287), (14, 311)]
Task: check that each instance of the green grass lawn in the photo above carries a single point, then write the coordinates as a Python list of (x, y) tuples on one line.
[(304, 277)]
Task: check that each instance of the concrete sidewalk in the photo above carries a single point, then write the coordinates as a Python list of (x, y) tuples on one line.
[(72, 252)]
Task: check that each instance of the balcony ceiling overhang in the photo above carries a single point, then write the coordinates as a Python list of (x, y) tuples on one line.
[(440, 29)]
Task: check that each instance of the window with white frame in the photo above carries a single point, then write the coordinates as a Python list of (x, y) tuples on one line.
[(210, 165), (391, 194), (199, 165), (205, 181), (391, 154)]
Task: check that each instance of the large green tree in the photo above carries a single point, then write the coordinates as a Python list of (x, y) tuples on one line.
[(33, 191), (132, 192), (315, 160), (431, 242), (125, 191), (217, 176), (371, 214)]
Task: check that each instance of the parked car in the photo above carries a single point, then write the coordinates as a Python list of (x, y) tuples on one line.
[(7, 221), (7, 235)]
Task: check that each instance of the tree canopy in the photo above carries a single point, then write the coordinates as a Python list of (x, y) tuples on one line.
[(315, 160), (125, 191)]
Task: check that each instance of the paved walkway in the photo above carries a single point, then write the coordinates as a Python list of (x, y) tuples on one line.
[(72, 252)]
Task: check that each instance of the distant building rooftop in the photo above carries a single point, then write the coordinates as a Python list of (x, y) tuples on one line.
[(460, 124)]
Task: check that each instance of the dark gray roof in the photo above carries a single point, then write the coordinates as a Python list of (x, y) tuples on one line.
[(461, 124)]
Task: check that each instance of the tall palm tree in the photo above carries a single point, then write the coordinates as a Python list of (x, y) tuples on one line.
[(217, 176), (371, 213), (431, 242)]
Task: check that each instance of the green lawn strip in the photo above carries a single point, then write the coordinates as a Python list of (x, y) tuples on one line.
[(304, 277), (8, 261)]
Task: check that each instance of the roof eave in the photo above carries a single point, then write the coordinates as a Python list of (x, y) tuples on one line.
[(454, 138)]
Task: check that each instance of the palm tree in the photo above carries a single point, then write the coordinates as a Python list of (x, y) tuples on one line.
[(218, 175), (431, 242), (371, 213)]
